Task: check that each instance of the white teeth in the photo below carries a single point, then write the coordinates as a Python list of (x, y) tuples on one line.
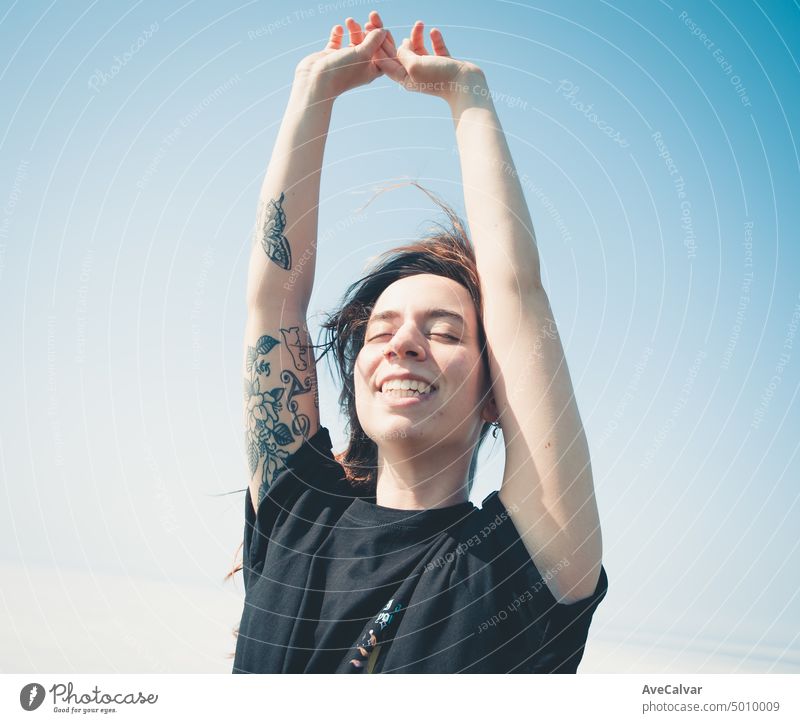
[(404, 385), (403, 393)]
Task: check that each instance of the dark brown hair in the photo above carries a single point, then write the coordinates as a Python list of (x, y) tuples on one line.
[(447, 252)]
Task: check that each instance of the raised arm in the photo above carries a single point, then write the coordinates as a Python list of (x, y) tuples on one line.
[(547, 486), (548, 475), (281, 403)]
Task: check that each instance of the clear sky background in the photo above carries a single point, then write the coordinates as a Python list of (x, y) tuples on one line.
[(657, 146)]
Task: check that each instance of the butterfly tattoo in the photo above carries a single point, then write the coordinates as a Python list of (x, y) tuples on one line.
[(275, 244)]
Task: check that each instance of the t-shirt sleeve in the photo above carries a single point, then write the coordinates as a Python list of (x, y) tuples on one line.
[(311, 471), (551, 634)]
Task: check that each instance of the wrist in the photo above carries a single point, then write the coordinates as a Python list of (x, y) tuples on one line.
[(469, 90), (310, 89)]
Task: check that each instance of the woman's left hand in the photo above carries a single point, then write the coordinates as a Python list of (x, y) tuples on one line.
[(411, 65)]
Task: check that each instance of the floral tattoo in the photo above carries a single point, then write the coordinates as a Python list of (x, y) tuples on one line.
[(266, 436)]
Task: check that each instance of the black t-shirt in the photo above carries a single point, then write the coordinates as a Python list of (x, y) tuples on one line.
[(331, 578)]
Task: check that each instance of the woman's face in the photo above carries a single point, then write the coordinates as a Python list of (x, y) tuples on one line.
[(425, 325)]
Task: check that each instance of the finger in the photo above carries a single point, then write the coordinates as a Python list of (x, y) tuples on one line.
[(417, 39), (405, 52), (437, 40), (372, 42), (380, 54), (392, 68), (335, 40), (389, 44), (407, 58), (375, 21), (356, 33)]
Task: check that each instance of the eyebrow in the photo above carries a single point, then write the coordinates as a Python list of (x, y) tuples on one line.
[(431, 313)]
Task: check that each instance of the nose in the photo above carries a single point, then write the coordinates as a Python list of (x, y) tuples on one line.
[(405, 342)]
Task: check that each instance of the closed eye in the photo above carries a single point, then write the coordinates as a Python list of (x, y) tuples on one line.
[(386, 333)]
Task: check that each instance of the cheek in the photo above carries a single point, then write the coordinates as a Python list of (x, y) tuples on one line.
[(464, 372), (364, 370), (458, 362)]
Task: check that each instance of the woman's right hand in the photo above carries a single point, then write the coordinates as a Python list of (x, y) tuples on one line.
[(336, 69)]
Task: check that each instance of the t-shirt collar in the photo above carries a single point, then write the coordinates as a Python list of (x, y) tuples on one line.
[(366, 513)]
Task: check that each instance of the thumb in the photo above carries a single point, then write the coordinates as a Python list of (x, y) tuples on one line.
[(372, 41), (405, 54)]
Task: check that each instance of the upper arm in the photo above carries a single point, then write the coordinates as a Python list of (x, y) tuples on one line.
[(547, 485), (281, 400)]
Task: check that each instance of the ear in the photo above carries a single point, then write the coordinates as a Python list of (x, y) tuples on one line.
[(490, 412)]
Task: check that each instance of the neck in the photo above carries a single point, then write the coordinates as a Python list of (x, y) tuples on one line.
[(409, 479)]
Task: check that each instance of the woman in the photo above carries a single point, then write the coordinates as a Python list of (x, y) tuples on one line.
[(375, 560)]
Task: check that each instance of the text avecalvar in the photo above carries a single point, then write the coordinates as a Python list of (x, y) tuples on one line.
[(672, 689)]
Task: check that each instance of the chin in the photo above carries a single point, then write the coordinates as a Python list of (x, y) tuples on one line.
[(395, 433)]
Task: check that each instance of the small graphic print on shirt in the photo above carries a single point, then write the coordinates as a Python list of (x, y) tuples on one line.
[(375, 634)]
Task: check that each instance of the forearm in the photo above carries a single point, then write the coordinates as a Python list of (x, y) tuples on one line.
[(497, 213), (283, 252)]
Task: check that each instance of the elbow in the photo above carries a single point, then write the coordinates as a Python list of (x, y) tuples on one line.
[(578, 579), (277, 297), (533, 286), (580, 589)]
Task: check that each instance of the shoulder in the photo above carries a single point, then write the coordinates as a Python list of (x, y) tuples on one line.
[(506, 550), (311, 470), (310, 488)]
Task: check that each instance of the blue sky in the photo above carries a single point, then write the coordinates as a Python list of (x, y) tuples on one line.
[(657, 145)]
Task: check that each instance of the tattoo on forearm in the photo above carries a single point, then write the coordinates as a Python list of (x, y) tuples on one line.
[(298, 350), (266, 437), (293, 340), (275, 244)]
